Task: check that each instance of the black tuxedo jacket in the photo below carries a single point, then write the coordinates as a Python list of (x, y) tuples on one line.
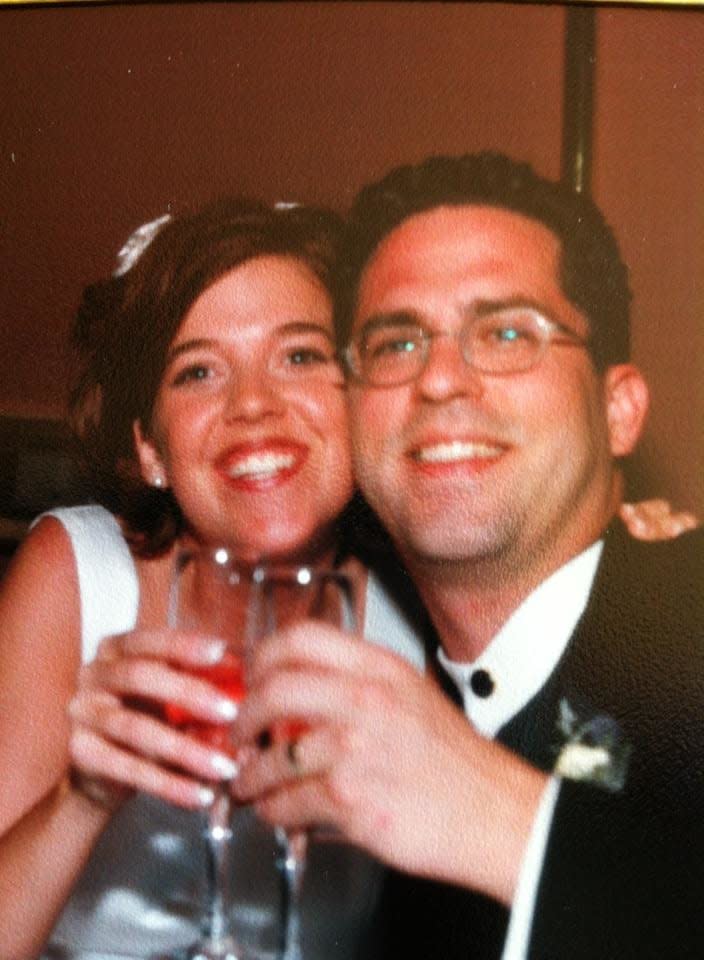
[(623, 875)]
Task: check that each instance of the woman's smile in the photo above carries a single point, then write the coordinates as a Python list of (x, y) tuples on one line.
[(263, 464)]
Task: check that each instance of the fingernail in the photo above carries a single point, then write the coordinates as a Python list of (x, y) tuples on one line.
[(227, 709), (224, 766), (214, 652), (206, 796)]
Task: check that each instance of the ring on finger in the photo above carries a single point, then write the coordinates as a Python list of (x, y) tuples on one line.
[(293, 755)]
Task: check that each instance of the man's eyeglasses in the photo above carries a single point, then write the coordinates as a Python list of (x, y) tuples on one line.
[(391, 351)]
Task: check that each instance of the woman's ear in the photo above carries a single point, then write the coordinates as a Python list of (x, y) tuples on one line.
[(627, 402), (151, 466)]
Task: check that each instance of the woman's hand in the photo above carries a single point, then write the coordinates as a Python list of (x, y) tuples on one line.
[(119, 739), (387, 760), (656, 520)]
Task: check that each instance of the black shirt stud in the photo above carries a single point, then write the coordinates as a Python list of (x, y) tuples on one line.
[(482, 683)]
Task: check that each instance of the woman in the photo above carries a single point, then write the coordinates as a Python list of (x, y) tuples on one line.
[(213, 410)]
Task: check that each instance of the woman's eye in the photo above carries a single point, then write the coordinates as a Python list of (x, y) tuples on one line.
[(192, 374), (307, 356)]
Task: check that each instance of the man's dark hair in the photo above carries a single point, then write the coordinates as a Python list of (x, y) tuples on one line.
[(125, 325), (592, 273)]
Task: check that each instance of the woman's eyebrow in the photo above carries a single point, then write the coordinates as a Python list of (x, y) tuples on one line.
[(304, 326), (198, 343)]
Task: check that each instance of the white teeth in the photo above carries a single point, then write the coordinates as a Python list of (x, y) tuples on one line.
[(457, 450), (261, 465)]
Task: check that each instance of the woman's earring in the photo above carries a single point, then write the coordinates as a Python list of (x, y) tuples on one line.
[(158, 481)]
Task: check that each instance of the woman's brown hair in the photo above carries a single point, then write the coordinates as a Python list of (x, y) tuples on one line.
[(125, 324)]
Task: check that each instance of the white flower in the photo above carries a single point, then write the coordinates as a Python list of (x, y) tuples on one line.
[(593, 749), (578, 761)]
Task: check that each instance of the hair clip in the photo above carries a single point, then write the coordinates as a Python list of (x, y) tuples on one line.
[(137, 243)]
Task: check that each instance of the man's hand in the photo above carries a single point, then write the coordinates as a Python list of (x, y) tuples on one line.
[(386, 759), (656, 520)]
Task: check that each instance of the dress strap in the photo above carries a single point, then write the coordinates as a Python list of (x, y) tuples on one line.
[(107, 576)]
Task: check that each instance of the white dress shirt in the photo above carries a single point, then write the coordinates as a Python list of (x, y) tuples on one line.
[(504, 678)]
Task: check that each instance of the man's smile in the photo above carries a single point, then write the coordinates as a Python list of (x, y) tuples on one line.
[(455, 451)]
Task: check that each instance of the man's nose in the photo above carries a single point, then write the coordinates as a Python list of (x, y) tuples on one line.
[(446, 373), (253, 394)]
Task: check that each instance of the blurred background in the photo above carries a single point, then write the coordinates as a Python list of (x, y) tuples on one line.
[(113, 114)]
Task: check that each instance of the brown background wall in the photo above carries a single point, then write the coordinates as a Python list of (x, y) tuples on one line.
[(113, 114)]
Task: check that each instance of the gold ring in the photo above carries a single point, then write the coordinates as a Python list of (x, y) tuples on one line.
[(293, 755)]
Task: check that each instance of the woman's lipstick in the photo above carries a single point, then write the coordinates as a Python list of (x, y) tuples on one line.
[(263, 464)]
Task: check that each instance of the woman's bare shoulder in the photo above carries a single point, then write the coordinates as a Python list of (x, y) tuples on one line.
[(40, 654), (39, 599), (44, 555)]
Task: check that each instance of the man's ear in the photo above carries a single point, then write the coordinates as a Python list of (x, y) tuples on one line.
[(151, 465), (627, 401)]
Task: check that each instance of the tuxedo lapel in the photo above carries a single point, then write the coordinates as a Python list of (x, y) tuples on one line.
[(586, 676)]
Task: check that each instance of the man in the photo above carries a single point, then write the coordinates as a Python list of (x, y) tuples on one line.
[(491, 399)]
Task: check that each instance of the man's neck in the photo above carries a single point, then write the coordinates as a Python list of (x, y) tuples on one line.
[(469, 601)]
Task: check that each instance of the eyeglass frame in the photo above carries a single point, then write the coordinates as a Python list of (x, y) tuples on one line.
[(550, 332)]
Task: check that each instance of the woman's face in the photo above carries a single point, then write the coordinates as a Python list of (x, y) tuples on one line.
[(249, 428)]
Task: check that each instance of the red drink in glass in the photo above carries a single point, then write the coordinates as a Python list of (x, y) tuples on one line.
[(228, 677)]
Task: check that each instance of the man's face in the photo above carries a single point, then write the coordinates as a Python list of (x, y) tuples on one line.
[(462, 465)]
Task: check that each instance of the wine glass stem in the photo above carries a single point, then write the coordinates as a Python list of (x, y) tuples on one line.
[(219, 848), (294, 848)]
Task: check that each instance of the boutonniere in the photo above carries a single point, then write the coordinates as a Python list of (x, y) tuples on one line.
[(593, 749)]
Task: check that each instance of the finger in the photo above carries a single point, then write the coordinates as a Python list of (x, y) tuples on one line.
[(267, 770), (161, 683), (146, 736), (177, 646), (308, 696), (300, 805), (95, 757), (311, 643), (685, 521)]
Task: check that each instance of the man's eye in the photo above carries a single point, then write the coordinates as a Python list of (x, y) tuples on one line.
[(391, 346), (509, 333), (192, 374)]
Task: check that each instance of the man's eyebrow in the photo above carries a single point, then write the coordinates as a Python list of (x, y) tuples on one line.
[(393, 318), (483, 307)]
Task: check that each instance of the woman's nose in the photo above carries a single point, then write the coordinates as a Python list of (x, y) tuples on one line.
[(254, 393)]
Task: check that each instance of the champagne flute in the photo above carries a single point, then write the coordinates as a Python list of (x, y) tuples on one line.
[(284, 595), (212, 594)]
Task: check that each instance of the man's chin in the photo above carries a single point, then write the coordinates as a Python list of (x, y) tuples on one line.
[(447, 547)]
